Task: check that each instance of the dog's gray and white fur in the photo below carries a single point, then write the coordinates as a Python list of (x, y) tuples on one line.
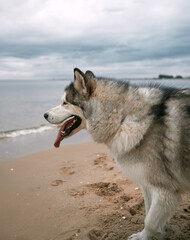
[(147, 129)]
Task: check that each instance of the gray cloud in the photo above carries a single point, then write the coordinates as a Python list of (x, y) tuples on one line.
[(108, 37)]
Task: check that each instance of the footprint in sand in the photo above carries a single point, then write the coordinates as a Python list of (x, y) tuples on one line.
[(103, 161), (56, 183), (105, 189), (101, 158), (125, 198), (95, 234), (67, 170)]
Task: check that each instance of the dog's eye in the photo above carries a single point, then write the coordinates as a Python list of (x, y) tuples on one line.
[(64, 103)]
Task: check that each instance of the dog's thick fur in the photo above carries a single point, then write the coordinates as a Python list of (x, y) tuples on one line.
[(147, 129)]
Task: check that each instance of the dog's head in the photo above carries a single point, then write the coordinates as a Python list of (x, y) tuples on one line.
[(71, 114)]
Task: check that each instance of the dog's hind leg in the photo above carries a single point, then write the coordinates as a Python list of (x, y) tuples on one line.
[(161, 210)]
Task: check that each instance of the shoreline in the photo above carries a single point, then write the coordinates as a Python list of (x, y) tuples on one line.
[(21, 146), (36, 142), (74, 192)]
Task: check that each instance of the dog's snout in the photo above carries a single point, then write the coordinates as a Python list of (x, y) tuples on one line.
[(46, 115)]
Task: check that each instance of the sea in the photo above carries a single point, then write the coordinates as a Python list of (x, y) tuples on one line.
[(23, 129)]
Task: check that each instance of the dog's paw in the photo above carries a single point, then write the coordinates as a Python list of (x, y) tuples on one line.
[(141, 236), (138, 236)]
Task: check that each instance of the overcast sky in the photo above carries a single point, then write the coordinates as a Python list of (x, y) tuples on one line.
[(45, 39)]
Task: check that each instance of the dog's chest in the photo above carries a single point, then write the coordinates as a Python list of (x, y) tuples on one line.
[(134, 171)]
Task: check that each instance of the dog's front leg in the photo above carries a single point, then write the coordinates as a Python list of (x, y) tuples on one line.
[(163, 205), (147, 198)]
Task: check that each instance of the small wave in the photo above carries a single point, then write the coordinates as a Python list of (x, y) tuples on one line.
[(24, 132)]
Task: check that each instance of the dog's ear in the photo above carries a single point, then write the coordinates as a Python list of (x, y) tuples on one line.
[(82, 83), (89, 74)]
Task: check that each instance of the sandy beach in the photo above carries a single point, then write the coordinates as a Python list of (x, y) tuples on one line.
[(75, 192)]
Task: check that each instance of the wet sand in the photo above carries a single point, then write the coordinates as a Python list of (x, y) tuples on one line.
[(75, 192), (21, 146)]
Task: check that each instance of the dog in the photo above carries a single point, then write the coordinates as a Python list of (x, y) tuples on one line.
[(147, 130)]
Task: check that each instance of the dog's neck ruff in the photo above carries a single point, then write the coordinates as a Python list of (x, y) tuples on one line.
[(129, 136)]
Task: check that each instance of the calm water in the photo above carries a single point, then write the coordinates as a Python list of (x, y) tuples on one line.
[(23, 103), (22, 126), (23, 129)]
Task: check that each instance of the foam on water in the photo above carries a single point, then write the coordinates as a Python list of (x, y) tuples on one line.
[(24, 132)]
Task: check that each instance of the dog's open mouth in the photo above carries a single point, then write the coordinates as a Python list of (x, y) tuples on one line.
[(65, 130)]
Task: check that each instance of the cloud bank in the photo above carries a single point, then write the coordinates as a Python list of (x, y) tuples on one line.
[(44, 39)]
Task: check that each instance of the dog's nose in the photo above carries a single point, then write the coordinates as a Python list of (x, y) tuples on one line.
[(45, 115)]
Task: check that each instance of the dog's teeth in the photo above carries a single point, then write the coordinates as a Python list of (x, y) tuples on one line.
[(62, 132)]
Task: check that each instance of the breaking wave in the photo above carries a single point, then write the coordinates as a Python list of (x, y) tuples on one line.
[(24, 132)]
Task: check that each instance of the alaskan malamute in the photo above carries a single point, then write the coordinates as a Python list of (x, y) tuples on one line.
[(147, 129)]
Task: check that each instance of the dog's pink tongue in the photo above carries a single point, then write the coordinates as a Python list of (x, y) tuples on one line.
[(63, 132), (58, 139)]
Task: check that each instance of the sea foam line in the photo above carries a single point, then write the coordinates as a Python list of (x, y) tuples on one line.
[(24, 132)]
